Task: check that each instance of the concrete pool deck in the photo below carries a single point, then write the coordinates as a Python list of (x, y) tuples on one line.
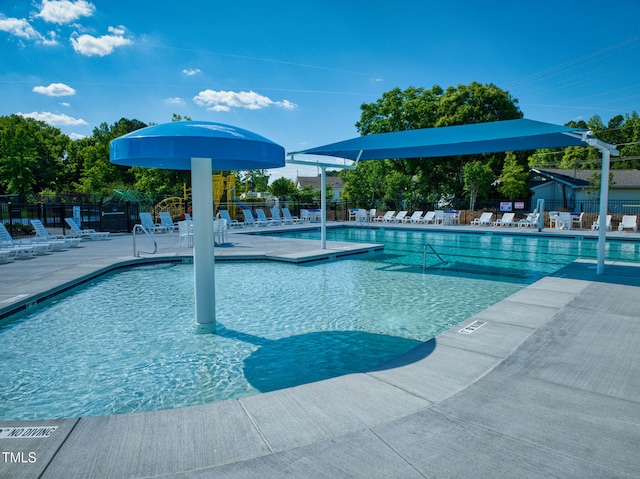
[(545, 383)]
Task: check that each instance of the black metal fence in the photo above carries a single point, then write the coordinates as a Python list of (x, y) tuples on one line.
[(120, 217)]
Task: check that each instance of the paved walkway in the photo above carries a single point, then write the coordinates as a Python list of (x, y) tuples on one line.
[(544, 384)]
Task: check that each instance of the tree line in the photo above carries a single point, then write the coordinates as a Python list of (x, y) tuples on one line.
[(38, 159)]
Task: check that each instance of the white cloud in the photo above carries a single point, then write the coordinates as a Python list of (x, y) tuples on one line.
[(77, 136), (54, 119), (89, 45), (175, 101), (64, 103), (19, 27), (191, 71), (225, 100), (55, 89), (65, 11)]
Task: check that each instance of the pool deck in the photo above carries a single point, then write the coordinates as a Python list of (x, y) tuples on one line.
[(545, 383)]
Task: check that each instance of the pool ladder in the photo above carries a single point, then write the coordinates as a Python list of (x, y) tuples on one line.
[(424, 255), (140, 228)]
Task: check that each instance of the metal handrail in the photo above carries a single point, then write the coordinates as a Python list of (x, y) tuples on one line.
[(136, 253), (424, 255)]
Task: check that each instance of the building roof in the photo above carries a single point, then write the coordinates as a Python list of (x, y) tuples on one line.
[(334, 181), (580, 178)]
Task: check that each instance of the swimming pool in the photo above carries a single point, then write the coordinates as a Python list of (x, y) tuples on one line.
[(126, 342)]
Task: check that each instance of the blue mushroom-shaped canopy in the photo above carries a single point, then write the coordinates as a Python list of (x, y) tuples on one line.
[(172, 145)]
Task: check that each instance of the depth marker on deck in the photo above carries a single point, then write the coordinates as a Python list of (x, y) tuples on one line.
[(472, 327)]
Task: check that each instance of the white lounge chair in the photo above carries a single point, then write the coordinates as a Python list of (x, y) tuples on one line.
[(85, 233), (149, 225), (486, 219), (387, 216), (415, 217), (629, 222), (224, 214), (506, 220), (58, 241), (22, 249), (596, 223), (167, 221), (530, 221), (399, 217), (429, 217), (290, 219)]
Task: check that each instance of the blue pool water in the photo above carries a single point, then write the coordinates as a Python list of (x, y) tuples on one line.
[(126, 342)]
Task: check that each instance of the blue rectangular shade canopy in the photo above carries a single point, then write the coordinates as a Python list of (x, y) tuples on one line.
[(172, 145), (477, 138)]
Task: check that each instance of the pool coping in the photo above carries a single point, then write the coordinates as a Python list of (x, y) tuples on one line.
[(309, 429)]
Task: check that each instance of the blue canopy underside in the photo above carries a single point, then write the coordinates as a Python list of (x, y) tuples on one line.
[(172, 145), (492, 137)]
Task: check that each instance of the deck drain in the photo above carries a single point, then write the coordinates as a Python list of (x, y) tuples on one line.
[(472, 327)]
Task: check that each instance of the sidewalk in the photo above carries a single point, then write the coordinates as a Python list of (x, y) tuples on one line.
[(542, 384)]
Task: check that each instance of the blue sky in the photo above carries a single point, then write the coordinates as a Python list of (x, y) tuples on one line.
[(297, 71)]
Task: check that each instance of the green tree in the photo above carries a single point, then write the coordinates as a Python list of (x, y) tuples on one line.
[(415, 108), (366, 184), (478, 177), (282, 188), (514, 180)]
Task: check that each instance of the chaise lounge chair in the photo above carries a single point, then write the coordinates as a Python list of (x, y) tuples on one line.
[(486, 219), (224, 214), (387, 216), (150, 226), (629, 222), (530, 221), (596, 223), (414, 218), (167, 221), (86, 233), (290, 219), (506, 220), (429, 217), (22, 249), (58, 241), (263, 220)]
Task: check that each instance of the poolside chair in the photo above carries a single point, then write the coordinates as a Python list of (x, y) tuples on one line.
[(185, 234), (506, 220), (576, 219), (248, 217), (453, 215), (149, 225), (220, 231), (85, 233), (530, 220), (399, 217), (387, 216), (224, 214), (429, 217), (7, 254), (167, 221), (290, 219), (596, 223), (486, 219), (415, 217), (353, 214), (23, 248), (564, 221), (262, 220), (629, 222), (58, 241), (276, 219), (305, 215)]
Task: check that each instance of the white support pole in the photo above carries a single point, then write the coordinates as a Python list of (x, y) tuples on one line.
[(323, 206), (203, 255), (604, 201)]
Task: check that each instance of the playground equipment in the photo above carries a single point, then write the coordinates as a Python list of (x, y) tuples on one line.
[(223, 188)]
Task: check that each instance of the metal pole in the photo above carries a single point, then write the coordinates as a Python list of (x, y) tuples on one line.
[(604, 201), (323, 205), (203, 254)]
